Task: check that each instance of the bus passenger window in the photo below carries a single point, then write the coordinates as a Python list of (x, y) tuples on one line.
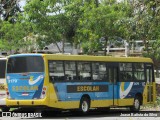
[(111, 75), (126, 72), (84, 71), (99, 71), (138, 71), (70, 70), (56, 71)]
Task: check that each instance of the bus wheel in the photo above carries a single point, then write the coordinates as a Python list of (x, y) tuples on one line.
[(136, 104), (84, 105)]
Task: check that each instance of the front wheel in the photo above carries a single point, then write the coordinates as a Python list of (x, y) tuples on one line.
[(84, 105), (136, 104)]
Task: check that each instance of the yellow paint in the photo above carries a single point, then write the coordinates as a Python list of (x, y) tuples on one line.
[(31, 78), (25, 88), (38, 102), (125, 102), (93, 104), (51, 99), (122, 86), (52, 95), (96, 58), (154, 92), (145, 93), (101, 103), (66, 104)]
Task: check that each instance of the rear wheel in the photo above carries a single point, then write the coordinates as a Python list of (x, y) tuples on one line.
[(136, 104), (84, 105)]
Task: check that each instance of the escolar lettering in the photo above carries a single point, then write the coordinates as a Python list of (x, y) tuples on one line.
[(87, 88), (24, 88)]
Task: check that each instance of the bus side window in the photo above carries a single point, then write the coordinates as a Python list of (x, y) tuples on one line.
[(126, 72), (84, 71), (70, 70), (111, 75), (99, 71), (138, 72), (56, 71)]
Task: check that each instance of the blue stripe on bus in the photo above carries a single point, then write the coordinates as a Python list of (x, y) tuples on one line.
[(25, 87), (120, 93), (20, 55)]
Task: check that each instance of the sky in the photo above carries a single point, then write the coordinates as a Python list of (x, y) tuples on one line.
[(22, 3)]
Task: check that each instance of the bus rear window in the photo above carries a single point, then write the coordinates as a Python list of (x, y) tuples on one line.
[(25, 64), (2, 68)]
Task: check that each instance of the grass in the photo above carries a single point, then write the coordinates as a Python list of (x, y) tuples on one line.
[(158, 100), (155, 106)]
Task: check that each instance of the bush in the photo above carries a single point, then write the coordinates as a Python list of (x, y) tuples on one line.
[(158, 100)]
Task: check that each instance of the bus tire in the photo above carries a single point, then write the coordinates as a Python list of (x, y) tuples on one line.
[(136, 104), (84, 105)]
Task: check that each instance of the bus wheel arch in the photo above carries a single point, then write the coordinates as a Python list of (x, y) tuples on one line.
[(139, 95), (138, 99), (84, 103)]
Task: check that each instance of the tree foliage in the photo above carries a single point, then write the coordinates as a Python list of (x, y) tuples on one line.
[(9, 10), (84, 23), (98, 22), (12, 35)]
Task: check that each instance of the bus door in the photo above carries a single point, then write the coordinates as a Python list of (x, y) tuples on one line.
[(113, 86), (150, 80)]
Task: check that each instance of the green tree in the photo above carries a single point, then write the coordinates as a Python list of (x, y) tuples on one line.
[(84, 22), (49, 19), (12, 35), (9, 10), (98, 22), (143, 24)]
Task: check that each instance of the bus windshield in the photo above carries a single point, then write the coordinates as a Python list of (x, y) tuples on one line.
[(25, 64), (3, 68)]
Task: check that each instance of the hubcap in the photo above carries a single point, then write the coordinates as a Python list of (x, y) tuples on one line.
[(136, 103), (84, 106)]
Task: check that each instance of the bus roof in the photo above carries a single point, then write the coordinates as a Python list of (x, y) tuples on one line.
[(88, 58), (25, 54)]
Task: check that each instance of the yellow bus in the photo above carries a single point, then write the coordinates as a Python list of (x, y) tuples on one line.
[(42, 81)]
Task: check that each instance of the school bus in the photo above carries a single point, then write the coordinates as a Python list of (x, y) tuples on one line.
[(42, 81)]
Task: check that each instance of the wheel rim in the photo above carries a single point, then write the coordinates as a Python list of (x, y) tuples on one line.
[(136, 104), (84, 106)]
